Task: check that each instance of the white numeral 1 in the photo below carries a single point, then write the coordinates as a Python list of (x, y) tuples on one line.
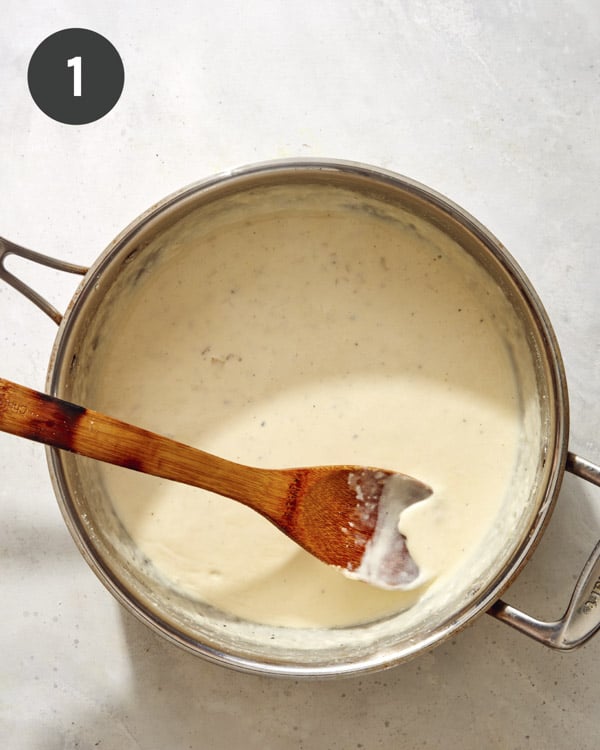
[(75, 63)]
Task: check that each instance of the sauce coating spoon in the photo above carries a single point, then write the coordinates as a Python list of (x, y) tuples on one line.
[(347, 516)]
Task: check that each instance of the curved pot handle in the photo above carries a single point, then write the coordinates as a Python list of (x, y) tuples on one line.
[(9, 248), (582, 618)]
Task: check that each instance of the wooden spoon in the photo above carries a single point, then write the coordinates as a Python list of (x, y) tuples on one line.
[(347, 516)]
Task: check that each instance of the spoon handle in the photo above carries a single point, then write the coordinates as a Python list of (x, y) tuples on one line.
[(61, 424)]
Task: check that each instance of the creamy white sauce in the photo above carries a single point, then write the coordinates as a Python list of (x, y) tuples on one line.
[(386, 561), (327, 337)]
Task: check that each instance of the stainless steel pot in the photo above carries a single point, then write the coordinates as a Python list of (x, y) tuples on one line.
[(284, 651)]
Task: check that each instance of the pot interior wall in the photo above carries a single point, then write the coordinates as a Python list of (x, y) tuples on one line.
[(205, 234)]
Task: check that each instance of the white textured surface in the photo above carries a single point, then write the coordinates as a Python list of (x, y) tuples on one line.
[(495, 105)]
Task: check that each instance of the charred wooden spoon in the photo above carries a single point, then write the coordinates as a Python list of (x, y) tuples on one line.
[(347, 516)]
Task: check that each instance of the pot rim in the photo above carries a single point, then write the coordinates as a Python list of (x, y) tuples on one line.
[(557, 452)]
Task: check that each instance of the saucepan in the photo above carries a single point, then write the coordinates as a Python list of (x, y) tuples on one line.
[(378, 207)]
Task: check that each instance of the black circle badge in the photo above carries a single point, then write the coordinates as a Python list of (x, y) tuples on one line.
[(76, 76)]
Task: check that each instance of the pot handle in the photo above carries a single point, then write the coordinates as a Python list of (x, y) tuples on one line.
[(582, 617), (9, 248)]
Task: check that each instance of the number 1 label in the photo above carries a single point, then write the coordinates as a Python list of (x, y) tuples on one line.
[(75, 63), (75, 76)]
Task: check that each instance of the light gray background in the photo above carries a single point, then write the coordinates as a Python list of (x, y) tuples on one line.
[(494, 104)]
